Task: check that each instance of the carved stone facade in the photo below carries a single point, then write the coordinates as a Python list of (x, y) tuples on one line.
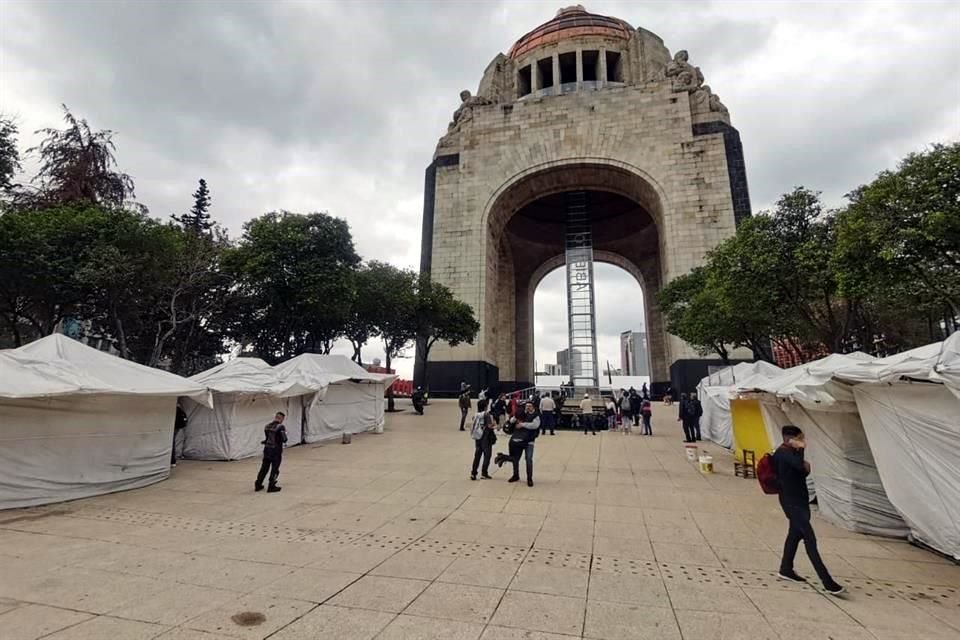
[(582, 103)]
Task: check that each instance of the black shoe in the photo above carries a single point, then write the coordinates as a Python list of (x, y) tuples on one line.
[(462, 429), (514, 479), (553, 433), (473, 476), (833, 588), (529, 483), (258, 487), (486, 477), (791, 576), (274, 489)]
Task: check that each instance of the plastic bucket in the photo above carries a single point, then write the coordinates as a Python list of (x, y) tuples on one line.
[(706, 464), (691, 450), (347, 438)]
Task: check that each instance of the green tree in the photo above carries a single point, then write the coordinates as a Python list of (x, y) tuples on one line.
[(77, 164), (440, 316), (694, 313), (898, 244), (198, 219), (292, 284), (42, 254), (364, 307), (9, 153)]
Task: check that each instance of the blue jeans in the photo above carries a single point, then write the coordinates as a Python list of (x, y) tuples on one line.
[(547, 423), (647, 431), (528, 455)]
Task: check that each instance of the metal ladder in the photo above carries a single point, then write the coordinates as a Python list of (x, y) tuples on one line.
[(581, 308)]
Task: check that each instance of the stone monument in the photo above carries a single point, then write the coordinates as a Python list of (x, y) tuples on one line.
[(587, 105)]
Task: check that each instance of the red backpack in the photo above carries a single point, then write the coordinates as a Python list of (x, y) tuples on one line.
[(767, 475)]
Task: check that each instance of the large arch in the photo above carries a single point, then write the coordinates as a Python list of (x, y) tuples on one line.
[(524, 222)]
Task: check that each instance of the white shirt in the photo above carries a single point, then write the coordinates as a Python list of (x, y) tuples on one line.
[(547, 404)]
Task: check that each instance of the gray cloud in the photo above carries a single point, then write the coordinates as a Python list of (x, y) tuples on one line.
[(338, 105)]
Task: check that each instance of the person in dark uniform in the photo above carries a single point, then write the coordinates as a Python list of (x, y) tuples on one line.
[(792, 471), (179, 424), (275, 437)]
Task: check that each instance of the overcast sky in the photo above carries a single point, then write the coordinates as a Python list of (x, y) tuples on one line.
[(318, 105)]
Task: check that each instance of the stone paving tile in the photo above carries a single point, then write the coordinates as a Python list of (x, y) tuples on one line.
[(103, 627), (506, 633), (311, 585), (174, 605), (556, 580), (540, 612), (251, 616), (406, 627), (480, 572), (456, 602), (336, 623), (32, 621), (380, 593), (413, 564), (616, 621), (704, 625)]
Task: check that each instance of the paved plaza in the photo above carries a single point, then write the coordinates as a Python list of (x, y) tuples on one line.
[(621, 539)]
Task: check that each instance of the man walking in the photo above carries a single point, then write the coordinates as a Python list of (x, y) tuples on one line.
[(646, 412), (586, 414), (275, 437), (635, 401), (464, 405), (484, 438), (548, 415), (683, 417), (528, 428), (694, 411), (792, 471)]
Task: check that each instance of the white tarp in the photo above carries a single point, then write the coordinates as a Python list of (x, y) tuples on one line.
[(248, 392), (848, 485), (914, 433), (348, 398), (714, 392), (76, 422)]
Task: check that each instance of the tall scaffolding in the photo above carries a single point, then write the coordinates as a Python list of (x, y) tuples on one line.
[(581, 315)]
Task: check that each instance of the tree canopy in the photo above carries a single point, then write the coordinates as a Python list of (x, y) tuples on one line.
[(881, 274)]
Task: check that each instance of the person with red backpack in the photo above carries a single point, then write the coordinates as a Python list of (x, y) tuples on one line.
[(785, 473)]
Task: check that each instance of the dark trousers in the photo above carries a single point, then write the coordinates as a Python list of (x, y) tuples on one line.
[(482, 448), (695, 428), (589, 422), (463, 417), (526, 450), (647, 430), (636, 419), (688, 433), (271, 462), (547, 423), (800, 529)]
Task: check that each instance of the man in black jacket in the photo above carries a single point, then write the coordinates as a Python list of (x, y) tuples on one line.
[(275, 435), (792, 471)]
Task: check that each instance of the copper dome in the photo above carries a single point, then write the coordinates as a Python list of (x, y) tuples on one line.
[(568, 23)]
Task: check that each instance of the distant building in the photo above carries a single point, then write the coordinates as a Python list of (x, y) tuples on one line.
[(565, 362), (552, 370), (634, 353)]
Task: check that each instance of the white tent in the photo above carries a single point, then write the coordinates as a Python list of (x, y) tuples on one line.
[(348, 398), (910, 405), (715, 390), (247, 393), (848, 485), (76, 422)]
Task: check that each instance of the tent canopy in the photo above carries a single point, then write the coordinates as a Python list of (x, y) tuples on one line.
[(314, 372), (715, 390), (248, 376), (808, 383), (60, 366)]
